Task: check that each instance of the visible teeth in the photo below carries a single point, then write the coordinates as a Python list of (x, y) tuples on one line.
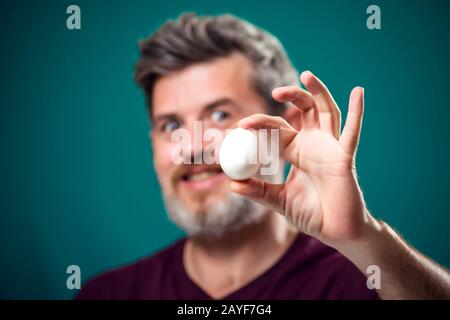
[(202, 175)]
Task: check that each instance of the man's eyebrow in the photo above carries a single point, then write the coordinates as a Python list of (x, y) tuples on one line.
[(208, 107), (161, 117), (223, 101)]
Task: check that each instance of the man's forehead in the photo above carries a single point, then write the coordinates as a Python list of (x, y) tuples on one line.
[(201, 84)]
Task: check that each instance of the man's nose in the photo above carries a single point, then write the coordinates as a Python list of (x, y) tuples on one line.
[(195, 142), (202, 140)]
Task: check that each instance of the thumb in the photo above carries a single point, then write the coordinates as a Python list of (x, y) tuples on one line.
[(270, 195)]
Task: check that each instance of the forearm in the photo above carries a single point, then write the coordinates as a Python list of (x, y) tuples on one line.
[(405, 273)]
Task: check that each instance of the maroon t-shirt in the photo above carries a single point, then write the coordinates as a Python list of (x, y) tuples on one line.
[(308, 270)]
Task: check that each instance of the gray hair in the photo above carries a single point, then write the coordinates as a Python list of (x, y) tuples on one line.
[(231, 214), (191, 39)]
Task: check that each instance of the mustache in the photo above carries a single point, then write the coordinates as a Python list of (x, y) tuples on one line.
[(190, 167)]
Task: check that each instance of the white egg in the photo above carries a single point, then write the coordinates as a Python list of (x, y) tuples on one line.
[(238, 154)]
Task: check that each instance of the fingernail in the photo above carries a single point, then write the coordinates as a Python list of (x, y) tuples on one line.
[(242, 122), (307, 72), (276, 90)]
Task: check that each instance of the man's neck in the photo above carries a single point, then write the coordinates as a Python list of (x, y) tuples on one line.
[(224, 264)]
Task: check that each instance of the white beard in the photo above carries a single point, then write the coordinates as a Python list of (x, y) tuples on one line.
[(230, 214)]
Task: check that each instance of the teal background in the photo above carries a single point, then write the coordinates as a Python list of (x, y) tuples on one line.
[(77, 183)]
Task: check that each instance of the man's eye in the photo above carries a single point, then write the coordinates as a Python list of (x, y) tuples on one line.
[(170, 126), (220, 115)]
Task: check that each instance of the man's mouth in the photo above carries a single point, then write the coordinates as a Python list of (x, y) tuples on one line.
[(200, 176), (200, 179)]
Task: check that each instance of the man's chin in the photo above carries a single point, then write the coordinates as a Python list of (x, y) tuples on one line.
[(213, 219), (200, 203)]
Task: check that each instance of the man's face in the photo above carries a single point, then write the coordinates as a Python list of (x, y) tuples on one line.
[(217, 93)]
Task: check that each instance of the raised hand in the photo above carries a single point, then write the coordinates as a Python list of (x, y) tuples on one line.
[(321, 194)]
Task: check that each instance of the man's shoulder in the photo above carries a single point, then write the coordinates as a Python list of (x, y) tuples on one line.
[(120, 283)]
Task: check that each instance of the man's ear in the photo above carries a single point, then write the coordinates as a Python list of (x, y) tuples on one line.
[(293, 115)]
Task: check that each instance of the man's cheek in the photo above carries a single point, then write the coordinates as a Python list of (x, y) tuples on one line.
[(161, 155), (162, 165)]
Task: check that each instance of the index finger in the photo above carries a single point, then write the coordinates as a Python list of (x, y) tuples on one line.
[(303, 100), (287, 135), (329, 113)]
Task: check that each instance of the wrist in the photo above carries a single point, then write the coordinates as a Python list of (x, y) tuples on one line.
[(365, 249)]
